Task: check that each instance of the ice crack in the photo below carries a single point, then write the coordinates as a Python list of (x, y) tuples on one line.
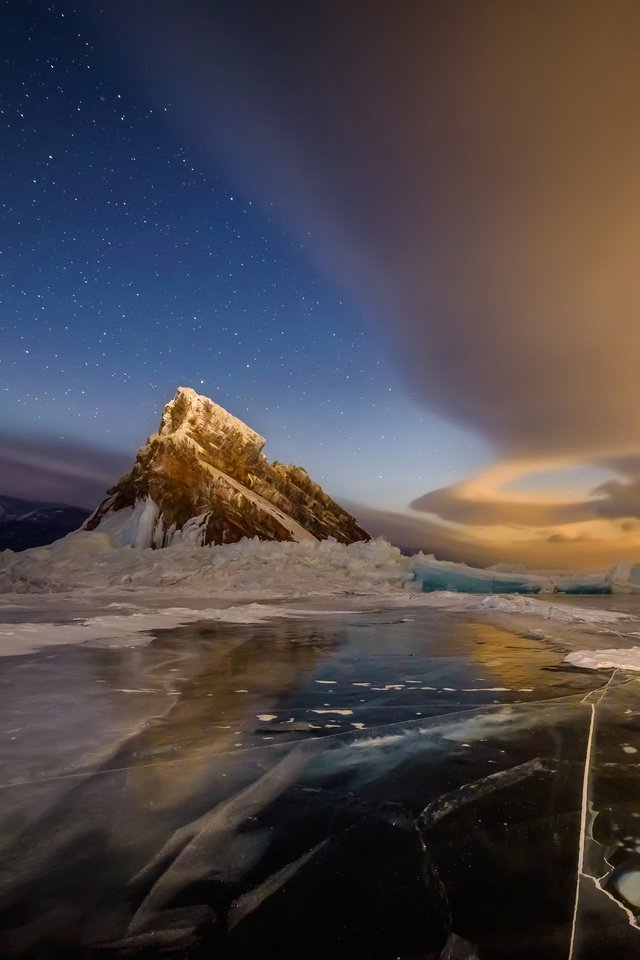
[(585, 810)]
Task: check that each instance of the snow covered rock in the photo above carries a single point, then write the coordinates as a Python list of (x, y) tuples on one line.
[(203, 479)]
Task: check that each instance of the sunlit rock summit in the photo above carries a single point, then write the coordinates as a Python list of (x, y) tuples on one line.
[(202, 479)]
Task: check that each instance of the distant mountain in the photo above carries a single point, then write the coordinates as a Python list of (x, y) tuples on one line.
[(35, 523), (202, 478)]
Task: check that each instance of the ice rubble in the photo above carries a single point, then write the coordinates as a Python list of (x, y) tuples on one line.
[(141, 526), (90, 561), (624, 578), (114, 557), (444, 575), (518, 604)]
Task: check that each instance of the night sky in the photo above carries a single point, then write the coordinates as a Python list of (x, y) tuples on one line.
[(399, 241)]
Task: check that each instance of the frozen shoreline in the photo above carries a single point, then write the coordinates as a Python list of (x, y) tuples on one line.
[(85, 589)]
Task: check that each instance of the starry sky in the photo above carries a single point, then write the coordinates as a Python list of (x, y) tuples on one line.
[(400, 242)]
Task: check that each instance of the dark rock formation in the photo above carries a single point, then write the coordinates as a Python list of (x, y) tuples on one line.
[(204, 479)]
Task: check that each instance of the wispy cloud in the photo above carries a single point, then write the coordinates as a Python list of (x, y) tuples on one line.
[(42, 468), (471, 170)]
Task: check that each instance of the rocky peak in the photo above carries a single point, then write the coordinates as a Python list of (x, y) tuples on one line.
[(205, 421), (203, 478)]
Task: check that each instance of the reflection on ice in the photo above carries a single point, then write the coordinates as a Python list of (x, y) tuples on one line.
[(448, 827)]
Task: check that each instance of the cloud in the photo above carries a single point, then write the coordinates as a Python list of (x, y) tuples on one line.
[(452, 504), (620, 499), (413, 534), (471, 168), (560, 551), (41, 468), (471, 171), (565, 538), (486, 500), (629, 526)]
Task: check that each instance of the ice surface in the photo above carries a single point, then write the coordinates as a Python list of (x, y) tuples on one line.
[(309, 824)]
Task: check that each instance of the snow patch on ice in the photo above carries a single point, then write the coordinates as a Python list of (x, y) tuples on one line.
[(135, 627), (619, 659)]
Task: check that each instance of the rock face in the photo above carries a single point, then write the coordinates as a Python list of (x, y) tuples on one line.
[(204, 479)]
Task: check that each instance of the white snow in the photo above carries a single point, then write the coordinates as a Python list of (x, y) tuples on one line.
[(619, 659)]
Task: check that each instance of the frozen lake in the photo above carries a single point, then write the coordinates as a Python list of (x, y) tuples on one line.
[(409, 783)]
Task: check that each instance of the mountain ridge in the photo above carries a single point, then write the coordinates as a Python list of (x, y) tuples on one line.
[(36, 523)]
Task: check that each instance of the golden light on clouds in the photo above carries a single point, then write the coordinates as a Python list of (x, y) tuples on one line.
[(554, 526), (469, 172)]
